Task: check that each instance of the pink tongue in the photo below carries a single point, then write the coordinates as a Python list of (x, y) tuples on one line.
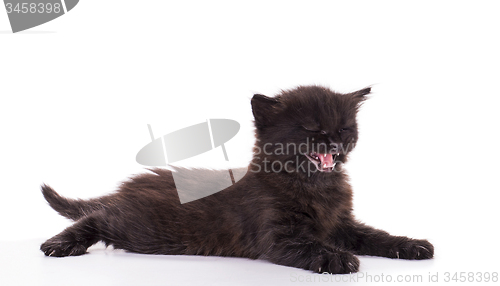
[(326, 161)]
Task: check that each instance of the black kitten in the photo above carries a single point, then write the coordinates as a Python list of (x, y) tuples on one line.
[(293, 207)]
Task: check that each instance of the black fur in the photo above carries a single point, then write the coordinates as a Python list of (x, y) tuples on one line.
[(296, 216)]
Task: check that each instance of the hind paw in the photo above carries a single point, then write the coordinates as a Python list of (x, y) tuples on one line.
[(59, 248)]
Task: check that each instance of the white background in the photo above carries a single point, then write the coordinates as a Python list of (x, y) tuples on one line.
[(78, 92)]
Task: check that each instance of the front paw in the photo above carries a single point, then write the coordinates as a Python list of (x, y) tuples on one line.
[(413, 249), (339, 262), (60, 248)]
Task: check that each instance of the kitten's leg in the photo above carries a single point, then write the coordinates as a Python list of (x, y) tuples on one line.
[(75, 239), (313, 256), (366, 240)]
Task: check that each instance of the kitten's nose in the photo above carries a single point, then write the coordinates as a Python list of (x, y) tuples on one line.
[(335, 146)]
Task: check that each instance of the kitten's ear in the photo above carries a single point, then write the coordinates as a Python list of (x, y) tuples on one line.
[(361, 94), (263, 109)]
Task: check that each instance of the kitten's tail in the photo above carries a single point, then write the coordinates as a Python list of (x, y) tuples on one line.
[(72, 209)]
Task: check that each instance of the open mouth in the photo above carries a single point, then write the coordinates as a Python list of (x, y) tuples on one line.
[(323, 162)]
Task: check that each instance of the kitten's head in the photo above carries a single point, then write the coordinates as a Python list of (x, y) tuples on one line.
[(308, 129)]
